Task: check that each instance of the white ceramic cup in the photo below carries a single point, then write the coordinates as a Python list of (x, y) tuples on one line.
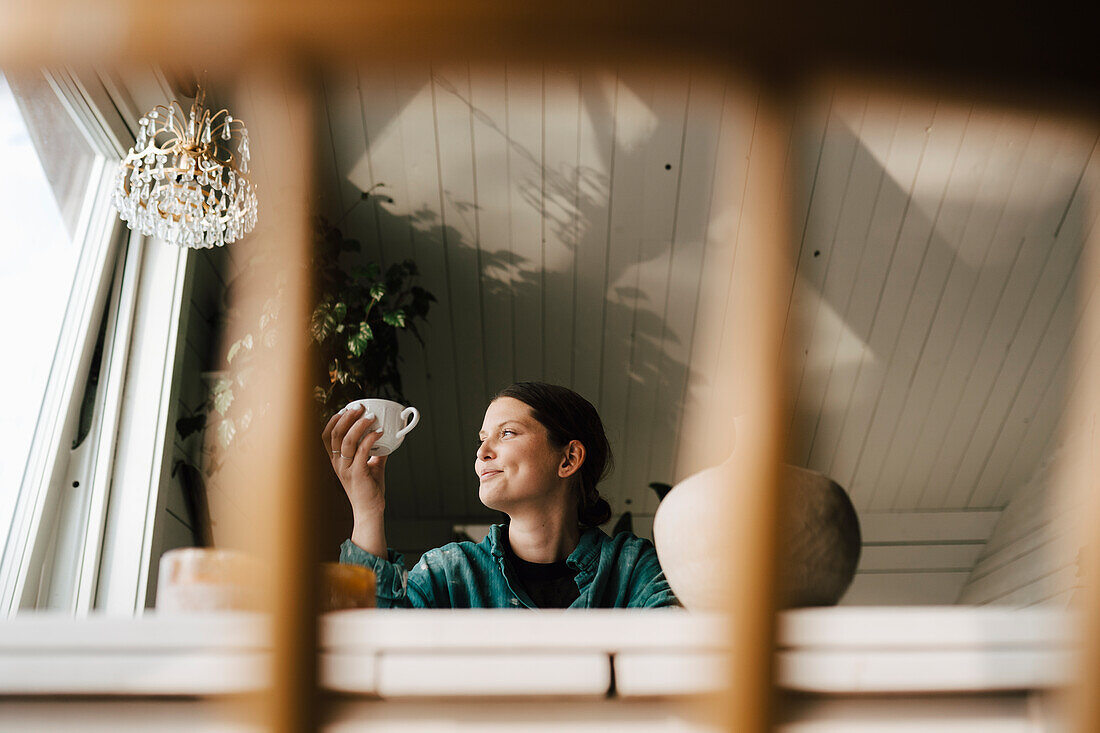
[(395, 422)]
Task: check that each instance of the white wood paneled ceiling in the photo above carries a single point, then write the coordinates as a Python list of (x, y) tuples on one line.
[(580, 226)]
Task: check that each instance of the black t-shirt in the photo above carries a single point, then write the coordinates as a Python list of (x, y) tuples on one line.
[(550, 585)]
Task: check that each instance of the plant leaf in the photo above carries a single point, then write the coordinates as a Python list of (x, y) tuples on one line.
[(377, 291), (226, 432), (222, 401), (395, 318), (339, 311), (318, 323), (357, 344)]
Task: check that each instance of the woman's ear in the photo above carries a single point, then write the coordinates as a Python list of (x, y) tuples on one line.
[(572, 459)]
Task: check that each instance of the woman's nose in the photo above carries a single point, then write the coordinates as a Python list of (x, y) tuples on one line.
[(484, 452)]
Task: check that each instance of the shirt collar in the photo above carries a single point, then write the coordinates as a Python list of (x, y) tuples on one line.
[(584, 557)]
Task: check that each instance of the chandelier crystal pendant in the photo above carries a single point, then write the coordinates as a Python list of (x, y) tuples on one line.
[(185, 180)]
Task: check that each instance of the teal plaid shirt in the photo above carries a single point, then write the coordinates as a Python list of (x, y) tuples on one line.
[(612, 572)]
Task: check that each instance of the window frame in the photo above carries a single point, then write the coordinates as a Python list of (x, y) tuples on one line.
[(84, 518)]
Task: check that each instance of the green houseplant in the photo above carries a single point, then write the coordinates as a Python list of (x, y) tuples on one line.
[(355, 323), (358, 311)]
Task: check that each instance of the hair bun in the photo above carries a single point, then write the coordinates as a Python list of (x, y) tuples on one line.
[(595, 513)]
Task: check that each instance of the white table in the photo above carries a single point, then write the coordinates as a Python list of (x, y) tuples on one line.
[(882, 669)]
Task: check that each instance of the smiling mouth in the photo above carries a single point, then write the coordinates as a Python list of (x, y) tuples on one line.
[(488, 474)]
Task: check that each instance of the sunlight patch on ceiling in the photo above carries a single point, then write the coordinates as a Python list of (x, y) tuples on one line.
[(996, 172), (636, 122), (833, 351)]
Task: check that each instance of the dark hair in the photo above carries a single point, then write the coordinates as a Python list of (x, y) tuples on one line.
[(567, 416)]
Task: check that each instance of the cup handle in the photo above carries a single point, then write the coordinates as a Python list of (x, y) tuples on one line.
[(412, 423)]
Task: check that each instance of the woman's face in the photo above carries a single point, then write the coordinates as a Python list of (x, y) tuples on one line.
[(515, 462)]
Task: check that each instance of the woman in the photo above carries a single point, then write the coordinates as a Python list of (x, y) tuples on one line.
[(541, 451)]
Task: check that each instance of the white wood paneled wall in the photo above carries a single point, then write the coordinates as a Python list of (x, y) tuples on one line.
[(1027, 559), (918, 557), (579, 225), (1034, 554)]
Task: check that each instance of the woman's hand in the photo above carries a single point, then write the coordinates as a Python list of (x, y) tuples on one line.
[(362, 475)]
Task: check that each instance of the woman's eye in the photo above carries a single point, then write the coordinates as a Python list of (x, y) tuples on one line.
[(507, 432)]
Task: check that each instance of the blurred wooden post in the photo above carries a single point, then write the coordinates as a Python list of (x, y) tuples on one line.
[(1085, 694), (279, 114), (764, 249)]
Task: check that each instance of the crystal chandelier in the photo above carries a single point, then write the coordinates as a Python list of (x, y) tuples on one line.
[(185, 179)]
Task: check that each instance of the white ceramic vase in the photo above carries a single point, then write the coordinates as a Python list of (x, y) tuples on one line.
[(689, 529)]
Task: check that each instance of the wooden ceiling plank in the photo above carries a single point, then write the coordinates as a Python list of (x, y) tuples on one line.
[(425, 207), (963, 228), (491, 146), (596, 161), (330, 202), (561, 217), (1041, 371), (663, 179), (903, 161), (354, 171), (811, 124), (905, 589), (525, 161), (942, 146), (1032, 430), (989, 252), (911, 293), (1037, 278), (459, 218), (919, 557), (1035, 402), (843, 250), (635, 122), (836, 158), (698, 163)]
